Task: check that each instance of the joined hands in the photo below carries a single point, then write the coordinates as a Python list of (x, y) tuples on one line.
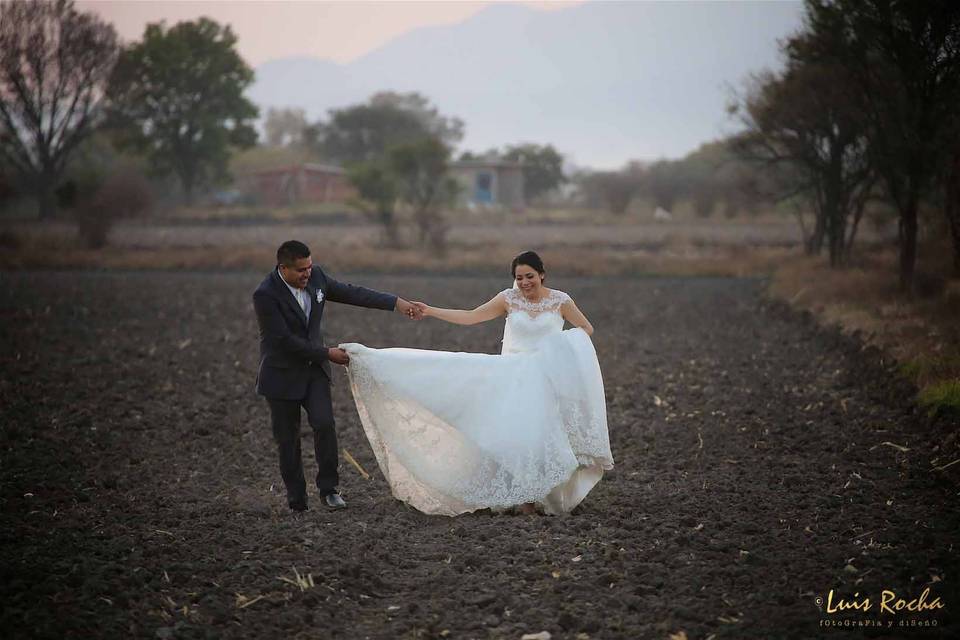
[(422, 307), (411, 310)]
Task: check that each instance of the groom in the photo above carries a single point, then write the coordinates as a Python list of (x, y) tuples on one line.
[(295, 365)]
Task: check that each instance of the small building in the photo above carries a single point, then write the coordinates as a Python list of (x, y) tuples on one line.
[(489, 183), (299, 183)]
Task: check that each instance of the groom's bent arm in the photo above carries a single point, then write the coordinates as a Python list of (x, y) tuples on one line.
[(278, 336), (359, 296)]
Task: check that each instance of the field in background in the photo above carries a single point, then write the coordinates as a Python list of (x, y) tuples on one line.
[(571, 241), (921, 333)]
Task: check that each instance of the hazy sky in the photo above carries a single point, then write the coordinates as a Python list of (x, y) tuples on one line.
[(270, 29), (603, 81)]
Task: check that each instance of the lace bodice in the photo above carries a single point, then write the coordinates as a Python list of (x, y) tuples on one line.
[(529, 322)]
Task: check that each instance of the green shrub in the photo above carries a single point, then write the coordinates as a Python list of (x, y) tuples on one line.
[(941, 398)]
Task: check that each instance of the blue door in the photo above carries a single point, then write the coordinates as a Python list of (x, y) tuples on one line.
[(483, 188)]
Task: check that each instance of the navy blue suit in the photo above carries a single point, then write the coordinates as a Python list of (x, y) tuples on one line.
[(295, 372)]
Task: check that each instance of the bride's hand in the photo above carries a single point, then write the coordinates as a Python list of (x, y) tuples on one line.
[(423, 307)]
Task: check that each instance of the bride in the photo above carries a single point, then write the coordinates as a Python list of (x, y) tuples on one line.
[(457, 432)]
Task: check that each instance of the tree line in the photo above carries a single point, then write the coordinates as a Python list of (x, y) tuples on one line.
[(865, 113), (72, 97), (81, 115), (862, 115), (866, 108), (397, 149), (710, 178)]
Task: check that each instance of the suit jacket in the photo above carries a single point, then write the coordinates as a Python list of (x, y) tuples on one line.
[(291, 348)]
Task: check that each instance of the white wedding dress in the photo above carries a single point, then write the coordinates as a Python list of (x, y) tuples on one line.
[(454, 432)]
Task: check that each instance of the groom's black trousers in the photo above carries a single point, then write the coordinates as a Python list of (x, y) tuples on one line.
[(285, 418)]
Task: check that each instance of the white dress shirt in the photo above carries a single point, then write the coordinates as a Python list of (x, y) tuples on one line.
[(300, 295)]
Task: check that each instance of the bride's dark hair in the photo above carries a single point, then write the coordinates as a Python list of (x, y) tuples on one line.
[(529, 258)]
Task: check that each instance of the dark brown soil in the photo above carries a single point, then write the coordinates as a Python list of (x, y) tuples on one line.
[(754, 472)]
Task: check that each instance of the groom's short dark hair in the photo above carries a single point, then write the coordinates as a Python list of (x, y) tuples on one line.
[(291, 251)]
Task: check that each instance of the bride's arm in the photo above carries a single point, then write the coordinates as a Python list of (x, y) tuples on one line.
[(574, 316), (494, 308)]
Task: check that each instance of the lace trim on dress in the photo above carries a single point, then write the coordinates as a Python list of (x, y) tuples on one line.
[(552, 302), (483, 481)]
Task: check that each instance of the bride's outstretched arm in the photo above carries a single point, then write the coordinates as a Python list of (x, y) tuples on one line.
[(574, 316), (494, 308)]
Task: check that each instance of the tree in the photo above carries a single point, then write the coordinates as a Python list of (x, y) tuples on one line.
[(699, 172), (100, 187), (542, 168), (178, 98), (420, 170), (903, 59), (615, 189), (448, 130), (378, 187), (665, 183), (364, 132), (416, 174), (54, 67), (808, 117), (704, 200), (122, 193), (285, 127)]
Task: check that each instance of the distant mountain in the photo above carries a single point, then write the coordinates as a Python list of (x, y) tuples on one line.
[(602, 81)]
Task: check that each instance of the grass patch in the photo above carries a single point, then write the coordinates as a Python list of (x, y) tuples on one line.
[(941, 398), (926, 368)]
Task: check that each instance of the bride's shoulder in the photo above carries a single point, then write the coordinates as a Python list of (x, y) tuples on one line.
[(512, 294), (562, 296)]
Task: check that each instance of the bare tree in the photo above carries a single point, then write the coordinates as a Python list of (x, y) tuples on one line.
[(806, 119), (54, 67)]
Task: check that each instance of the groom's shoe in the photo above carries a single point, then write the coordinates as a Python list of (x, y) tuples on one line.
[(334, 501)]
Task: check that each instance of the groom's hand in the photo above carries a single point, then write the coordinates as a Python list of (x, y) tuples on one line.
[(338, 356), (423, 307), (411, 311)]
